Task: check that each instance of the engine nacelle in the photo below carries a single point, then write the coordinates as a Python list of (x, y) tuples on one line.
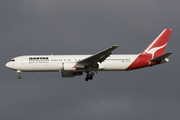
[(70, 73), (69, 66)]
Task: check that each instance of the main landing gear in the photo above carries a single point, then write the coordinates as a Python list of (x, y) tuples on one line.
[(89, 76), (19, 74)]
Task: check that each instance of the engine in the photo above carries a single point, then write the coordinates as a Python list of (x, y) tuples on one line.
[(70, 73)]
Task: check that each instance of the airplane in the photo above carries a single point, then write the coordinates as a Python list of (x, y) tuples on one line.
[(74, 65)]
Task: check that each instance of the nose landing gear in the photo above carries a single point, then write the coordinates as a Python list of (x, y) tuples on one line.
[(19, 74)]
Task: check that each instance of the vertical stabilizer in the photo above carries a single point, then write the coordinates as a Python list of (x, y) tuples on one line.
[(154, 50), (157, 47)]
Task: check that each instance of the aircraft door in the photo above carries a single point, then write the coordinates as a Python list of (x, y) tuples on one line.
[(61, 66)]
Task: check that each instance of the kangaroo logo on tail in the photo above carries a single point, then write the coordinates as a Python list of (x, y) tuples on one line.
[(153, 51)]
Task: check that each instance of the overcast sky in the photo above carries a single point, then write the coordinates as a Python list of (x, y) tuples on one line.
[(29, 27)]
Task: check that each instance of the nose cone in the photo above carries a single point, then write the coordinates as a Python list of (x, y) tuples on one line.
[(8, 65)]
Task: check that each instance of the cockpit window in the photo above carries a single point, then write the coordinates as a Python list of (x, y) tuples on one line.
[(12, 60)]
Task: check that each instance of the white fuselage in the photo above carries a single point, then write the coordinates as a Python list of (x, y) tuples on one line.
[(47, 63)]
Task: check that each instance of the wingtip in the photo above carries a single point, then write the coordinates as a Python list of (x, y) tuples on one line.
[(115, 46), (170, 52)]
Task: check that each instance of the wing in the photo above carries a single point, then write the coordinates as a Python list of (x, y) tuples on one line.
[(98, 57)]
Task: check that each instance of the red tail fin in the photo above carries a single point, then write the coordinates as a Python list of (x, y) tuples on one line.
[(157, 47)]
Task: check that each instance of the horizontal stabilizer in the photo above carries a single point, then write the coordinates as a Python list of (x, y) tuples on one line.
[(162, 57)]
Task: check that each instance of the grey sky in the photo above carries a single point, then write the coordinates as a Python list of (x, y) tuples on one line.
[(87, 27)]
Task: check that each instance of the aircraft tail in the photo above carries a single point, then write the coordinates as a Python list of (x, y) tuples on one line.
[(157, 47), (153, 54)]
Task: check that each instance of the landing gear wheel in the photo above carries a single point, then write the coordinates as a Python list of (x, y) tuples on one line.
[(91, 78), (19, 77), (86, 78)]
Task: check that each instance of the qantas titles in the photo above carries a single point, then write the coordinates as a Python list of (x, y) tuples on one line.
[(38, 58)]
